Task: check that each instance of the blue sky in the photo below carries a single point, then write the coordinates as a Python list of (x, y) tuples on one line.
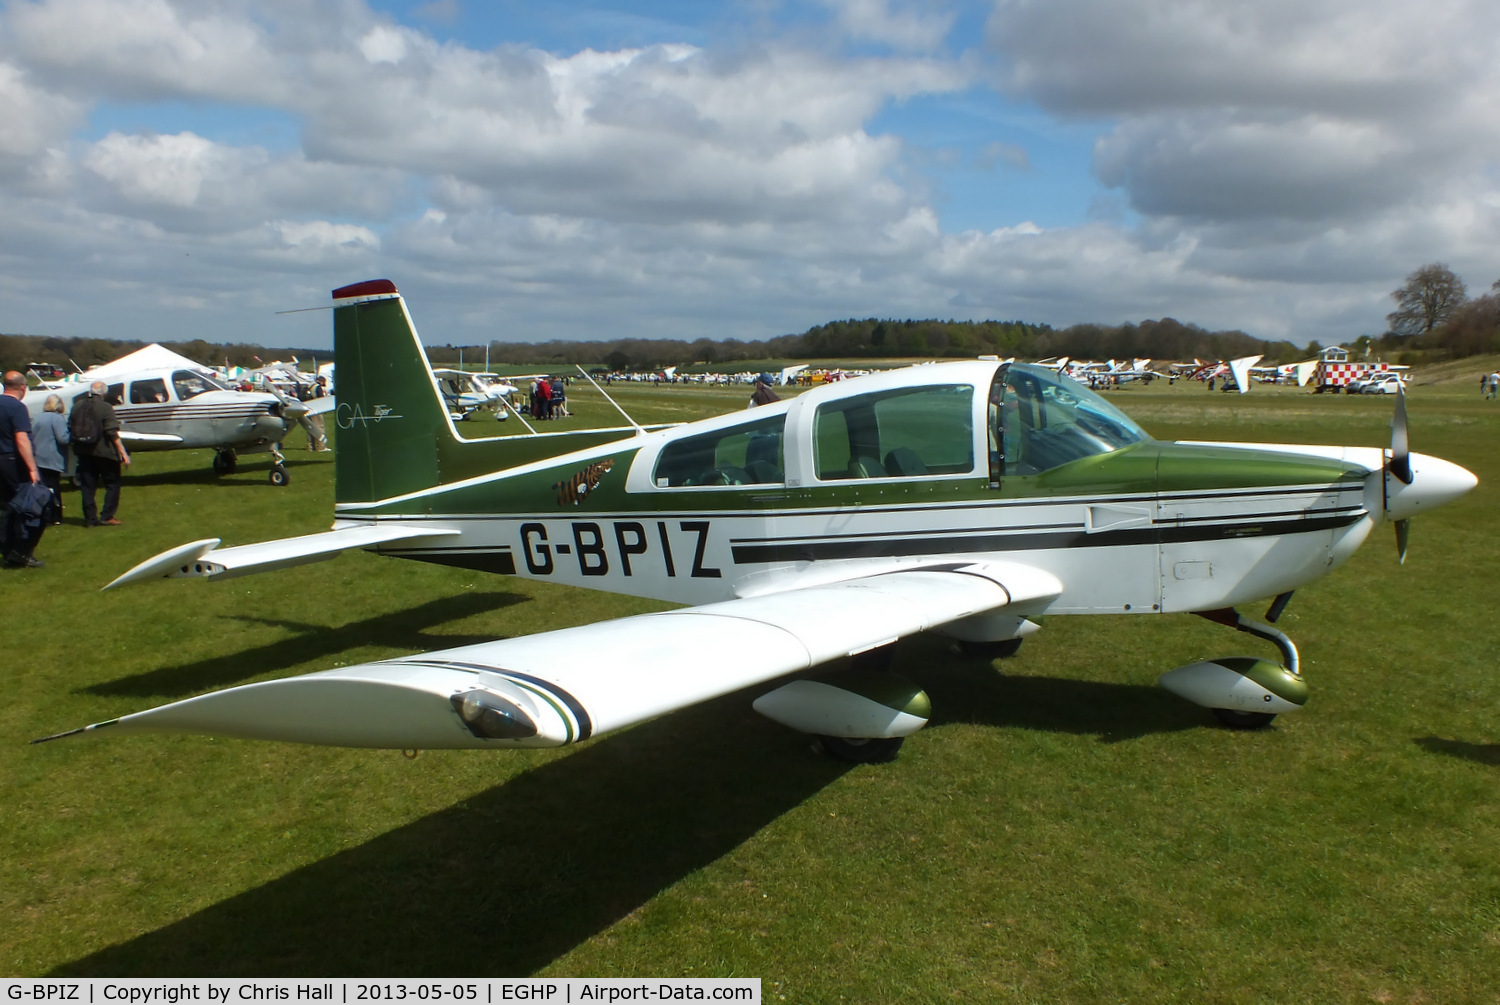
[(536, 171)]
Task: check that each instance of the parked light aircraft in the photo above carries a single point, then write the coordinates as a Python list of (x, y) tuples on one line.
[(962, 498), (464, 393), (182, 406)]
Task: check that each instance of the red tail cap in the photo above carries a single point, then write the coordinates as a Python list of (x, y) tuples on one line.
[(368, 288)]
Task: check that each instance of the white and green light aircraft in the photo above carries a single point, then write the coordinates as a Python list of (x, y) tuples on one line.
[(961, 498)]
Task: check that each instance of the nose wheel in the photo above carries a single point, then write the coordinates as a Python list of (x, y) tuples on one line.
[(1243, 692), (279, 474)]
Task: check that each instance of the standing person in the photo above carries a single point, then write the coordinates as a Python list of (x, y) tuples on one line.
[(543, 392), (17, 467), (763, 394), (558, 398), (95, 429), (49, 445), (1494, 384)]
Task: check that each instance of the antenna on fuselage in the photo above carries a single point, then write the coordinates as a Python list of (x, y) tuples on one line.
[(640, 431)]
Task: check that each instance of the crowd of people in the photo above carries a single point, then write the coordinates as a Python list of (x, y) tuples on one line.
[(33, 457), (548, 398)]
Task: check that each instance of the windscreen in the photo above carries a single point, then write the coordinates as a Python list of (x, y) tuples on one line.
[(1047, 421)]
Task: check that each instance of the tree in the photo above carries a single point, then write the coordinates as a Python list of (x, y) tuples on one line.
[(1474, 328), (1429, 298)]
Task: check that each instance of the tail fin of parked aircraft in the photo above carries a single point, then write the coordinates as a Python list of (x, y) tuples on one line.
[(390, 415), (394, 432)]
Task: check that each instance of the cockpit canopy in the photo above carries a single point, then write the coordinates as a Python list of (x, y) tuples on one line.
[(1046, 421), (905, 427)]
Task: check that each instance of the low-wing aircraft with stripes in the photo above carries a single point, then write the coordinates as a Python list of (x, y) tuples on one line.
[(962, 498), (185, 407)]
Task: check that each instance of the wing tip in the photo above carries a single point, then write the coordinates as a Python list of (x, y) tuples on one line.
[(74, 732), (158, 566)]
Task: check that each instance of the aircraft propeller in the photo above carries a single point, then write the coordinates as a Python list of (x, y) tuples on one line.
[(1415, 483), (1400, 468), (291, 408)]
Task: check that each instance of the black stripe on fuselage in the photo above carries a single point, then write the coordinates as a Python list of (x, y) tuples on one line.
[(989, 505), (867, 546), (500, 561)]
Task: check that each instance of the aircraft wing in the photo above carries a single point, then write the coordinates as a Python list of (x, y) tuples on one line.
[(317, 406), (206, 559), (563, 686)]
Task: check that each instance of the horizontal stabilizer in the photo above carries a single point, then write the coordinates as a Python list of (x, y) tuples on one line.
[(206, 559), (522, 692)]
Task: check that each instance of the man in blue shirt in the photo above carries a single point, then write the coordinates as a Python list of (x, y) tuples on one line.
[(17, 466)]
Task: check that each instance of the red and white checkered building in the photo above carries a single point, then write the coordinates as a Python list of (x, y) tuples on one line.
[(1340, 374)]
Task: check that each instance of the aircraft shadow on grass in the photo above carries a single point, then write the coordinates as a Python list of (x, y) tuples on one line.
[(1480, 753), (967, 690), (251, 474), (513, 877), (401, 629)]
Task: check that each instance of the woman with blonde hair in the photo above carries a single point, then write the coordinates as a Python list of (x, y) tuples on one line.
[(49, 445)]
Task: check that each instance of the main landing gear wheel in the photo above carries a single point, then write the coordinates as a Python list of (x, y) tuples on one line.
[(1003, 649), (279, 475), (224, 462), (861, 750), (1236, 719)]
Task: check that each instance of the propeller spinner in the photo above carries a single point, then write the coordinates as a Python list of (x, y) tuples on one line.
[(1413, 483)]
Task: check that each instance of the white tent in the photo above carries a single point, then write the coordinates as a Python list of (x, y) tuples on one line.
[(152, 357)]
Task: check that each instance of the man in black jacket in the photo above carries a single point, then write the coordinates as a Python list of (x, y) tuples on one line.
[(99, 461)]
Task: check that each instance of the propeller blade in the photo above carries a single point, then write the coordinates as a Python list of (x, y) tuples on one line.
[(1400, 465), (1403, 537)]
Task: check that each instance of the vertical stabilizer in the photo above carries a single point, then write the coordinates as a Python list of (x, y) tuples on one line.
[(390, 416)]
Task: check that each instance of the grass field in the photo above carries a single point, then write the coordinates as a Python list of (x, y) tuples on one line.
[(1063, 831)]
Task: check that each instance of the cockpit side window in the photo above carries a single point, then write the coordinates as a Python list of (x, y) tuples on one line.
[(750, 453), (187, 384), (903, 433), (148, 392)]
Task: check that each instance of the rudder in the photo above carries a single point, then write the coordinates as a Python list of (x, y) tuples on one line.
[(390, 416)]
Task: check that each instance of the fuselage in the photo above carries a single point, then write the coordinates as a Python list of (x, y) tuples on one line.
[(182, 409), (916, 467)]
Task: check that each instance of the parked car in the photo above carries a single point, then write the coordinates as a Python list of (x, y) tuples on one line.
[(1386, 383)]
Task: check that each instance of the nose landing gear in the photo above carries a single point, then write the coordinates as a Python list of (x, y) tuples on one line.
[(226, 462), (1243, 692)]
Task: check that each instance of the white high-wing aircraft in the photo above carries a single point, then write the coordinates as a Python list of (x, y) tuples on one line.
[(961, 498), (182, 406), (464, 393)]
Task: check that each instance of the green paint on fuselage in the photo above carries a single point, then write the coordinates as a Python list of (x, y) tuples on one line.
[(1142, 469)]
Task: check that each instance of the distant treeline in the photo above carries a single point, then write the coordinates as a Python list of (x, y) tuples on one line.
[(874, 338), (16, 351), (868, 339)]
